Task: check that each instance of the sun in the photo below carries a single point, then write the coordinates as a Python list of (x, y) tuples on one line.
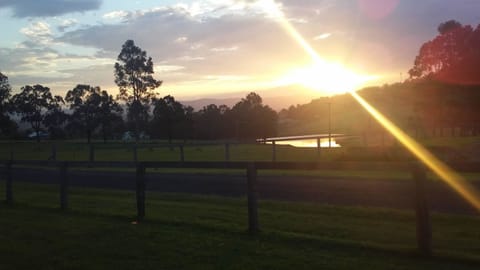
[(327, 78)]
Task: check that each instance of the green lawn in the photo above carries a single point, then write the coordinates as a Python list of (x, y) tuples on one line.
[(114, 151), (158, 151), (206, 232)]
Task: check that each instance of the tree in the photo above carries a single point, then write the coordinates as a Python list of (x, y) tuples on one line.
[(171, 115), (55, 119), (7, 126), (453, 56), (133, 75), (84, 102), (92, 108), (253, 119), (33, 104), (211, 122), (448, 26), (109, 114)]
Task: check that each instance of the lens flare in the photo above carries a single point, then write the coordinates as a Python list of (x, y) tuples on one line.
[(332, 78), (466, 190), (453, 179)]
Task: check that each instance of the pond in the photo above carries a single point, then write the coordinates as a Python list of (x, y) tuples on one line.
[(309, 143)]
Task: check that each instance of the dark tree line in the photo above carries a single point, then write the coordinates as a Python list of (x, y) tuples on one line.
[(88, 111), (247, 119), (441, 93), (7, 126)]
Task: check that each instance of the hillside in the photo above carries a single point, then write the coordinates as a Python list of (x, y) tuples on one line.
[(422, 109), (277, 98)]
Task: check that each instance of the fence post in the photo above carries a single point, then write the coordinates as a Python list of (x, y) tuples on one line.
[(274, 152), (424, 228), (12, 155), (318, 147), (54, 152), (140, 191), (227, 152), (92, 153), (182, 154), (252, 198), (63, 186), (8, 183), (135, 156)]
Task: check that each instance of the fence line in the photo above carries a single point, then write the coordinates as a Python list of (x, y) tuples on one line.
[(90, 151), (418, 171)]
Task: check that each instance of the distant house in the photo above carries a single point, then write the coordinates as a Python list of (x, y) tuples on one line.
[(41, 134), (128, 136)]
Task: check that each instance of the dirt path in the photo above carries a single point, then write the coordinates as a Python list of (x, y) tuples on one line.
[(336, 191)]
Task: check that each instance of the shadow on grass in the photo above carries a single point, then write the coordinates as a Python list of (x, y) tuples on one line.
[(275, 238)]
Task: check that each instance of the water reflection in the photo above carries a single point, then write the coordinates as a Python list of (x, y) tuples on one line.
[(308, 143)]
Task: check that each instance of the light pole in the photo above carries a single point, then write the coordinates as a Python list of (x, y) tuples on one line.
[(329, 124)]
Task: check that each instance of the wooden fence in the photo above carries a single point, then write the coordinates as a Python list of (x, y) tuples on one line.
[(418, 171), (92, 149)]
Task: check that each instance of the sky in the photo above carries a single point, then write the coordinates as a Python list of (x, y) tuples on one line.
[(211, 48)]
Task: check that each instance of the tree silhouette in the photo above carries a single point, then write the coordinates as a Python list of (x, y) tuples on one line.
[(448, 26), (7, 126), (253, 119), (33, 104), (133, 75), (55, 119), (109, 114), (84, 102), (92, 108), (211, 122), (169, 113), (453, 56)]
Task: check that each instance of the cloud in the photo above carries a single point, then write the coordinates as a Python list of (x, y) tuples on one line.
[(224, 49), (213, 40), (235, 44), (48, 8), (116, 15), (181, 39), (39, 33), (66, 24), (60, 71), (167, 68), (322, 36)]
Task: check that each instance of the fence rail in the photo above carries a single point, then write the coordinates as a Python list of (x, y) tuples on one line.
[(417, 170)]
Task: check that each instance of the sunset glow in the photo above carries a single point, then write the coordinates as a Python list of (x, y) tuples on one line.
[(449, 176), (326, 78), (337, 79), (219, 49)]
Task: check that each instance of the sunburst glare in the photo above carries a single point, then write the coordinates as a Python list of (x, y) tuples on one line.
[(337, 81)]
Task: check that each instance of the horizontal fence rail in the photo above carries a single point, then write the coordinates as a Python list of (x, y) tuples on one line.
[(417, 170), (260, 165)]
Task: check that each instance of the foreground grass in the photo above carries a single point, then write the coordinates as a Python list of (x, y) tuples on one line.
[(204, 232)]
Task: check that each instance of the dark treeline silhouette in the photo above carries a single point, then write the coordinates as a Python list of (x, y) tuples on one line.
[(440, 98), (8, 127), (90, 112)]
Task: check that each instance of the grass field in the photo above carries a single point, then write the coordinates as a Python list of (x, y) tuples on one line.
[(114, 151), (158, 151), (195, 151), (204, 232)]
